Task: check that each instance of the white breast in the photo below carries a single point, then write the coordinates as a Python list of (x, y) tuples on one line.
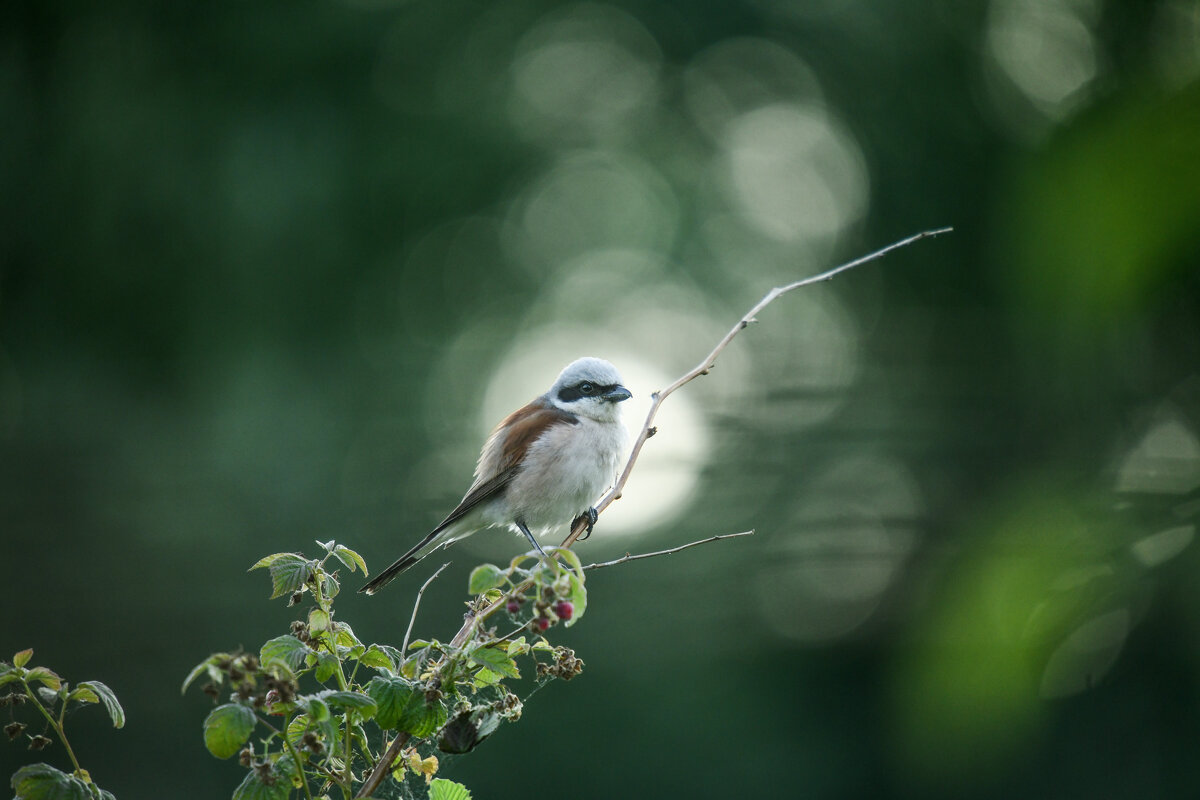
[(565, 473)]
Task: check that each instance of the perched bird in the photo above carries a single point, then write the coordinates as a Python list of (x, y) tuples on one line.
[(545, 465)]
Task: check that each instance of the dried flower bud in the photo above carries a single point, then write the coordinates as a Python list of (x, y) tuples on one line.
[(14, 729), (40, 742)]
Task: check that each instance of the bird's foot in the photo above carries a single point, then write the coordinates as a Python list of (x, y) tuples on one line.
[(590, 516)]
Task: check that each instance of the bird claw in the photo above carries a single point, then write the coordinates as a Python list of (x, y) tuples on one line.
[(590, 516)]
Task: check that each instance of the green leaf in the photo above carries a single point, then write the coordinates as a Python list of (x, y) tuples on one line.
[(570, 556), (317, 709), (286, 649), (327, 666), (344, 635), (402, 706), (108, 698), (289, 572), (227, 728), (207, 665), (377, 658), (82, 694), (252, 787), (44, 782), (485, 577), (442, 789), (350, 558), (318, 620), (46, 676), (464, 733), (350, 700), (497, 660), (578, 598), (22, 658), (485, 677)]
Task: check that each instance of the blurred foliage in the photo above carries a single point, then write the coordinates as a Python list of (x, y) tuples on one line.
[(268, 270)]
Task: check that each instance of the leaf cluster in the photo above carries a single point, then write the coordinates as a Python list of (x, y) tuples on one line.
[(318, 711), (41, 688)]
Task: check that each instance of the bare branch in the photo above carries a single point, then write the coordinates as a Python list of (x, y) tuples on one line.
[(627, 558), (384, 766), (417, 605), (649, 429)]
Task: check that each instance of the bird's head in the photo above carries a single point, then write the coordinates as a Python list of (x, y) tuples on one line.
[(589, 387)]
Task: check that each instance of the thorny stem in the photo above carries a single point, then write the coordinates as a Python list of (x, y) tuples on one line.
[(648, 428)]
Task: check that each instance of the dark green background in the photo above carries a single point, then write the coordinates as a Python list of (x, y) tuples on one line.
[(240, 240)]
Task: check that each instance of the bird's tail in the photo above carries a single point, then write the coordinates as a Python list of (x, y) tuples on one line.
[(404, 562)]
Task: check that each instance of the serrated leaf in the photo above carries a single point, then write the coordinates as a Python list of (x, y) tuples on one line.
[(252, 787), (327, 666), (286, 649), (485, 577), (49, 696), (82, 694), (344, 635), (402, 706), (330, 587), (578, 598), (350, 558), (227, 728), (22, 658), (443, 789), (109, 699), (45, 676), (44, 782), (518, 647), (377, 658), (485, 677), (267, 561), (296, 729), (289, 572), (358, 701), (497, 660)]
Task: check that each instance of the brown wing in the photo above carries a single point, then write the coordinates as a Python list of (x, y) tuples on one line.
[(498, 464), (505, 451)]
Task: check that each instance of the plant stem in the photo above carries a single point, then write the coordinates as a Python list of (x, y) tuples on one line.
[(282, 734), (56, 724)]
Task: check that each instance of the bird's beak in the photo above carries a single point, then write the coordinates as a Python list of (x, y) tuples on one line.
[(617, 394)]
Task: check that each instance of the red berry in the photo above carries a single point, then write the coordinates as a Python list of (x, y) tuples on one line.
[(564, 610), (512, 606), (542, 623)]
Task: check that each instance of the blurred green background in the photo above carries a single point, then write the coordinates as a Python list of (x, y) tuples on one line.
[(270, 270)]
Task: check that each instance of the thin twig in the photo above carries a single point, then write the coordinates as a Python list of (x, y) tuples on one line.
[(417, 604), (627, 557), (702, 368)]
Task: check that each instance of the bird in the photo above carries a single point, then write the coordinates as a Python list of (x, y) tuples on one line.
[(544, 465)]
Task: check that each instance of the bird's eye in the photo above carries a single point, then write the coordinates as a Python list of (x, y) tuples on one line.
[(587, 388)]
